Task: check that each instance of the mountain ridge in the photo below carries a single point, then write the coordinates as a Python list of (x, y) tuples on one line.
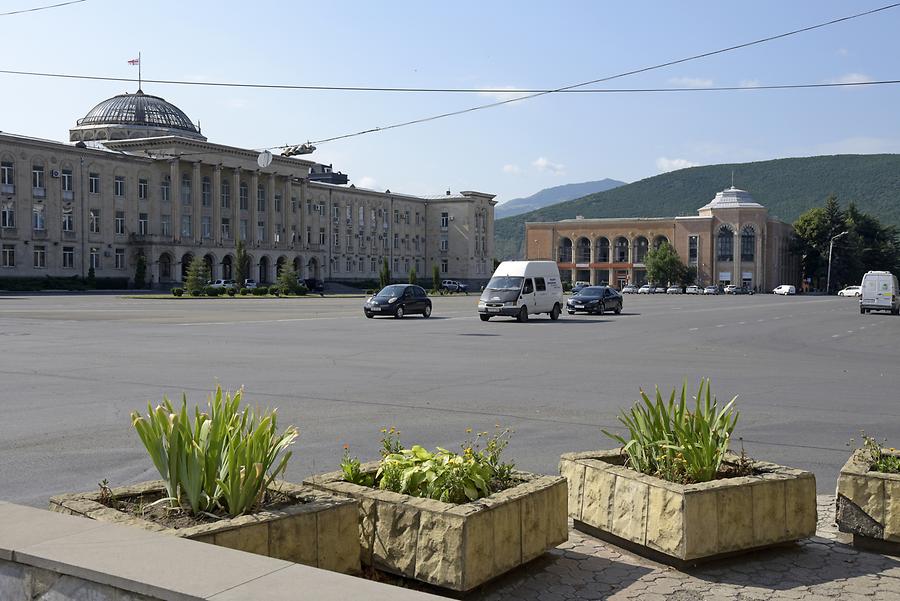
[(553, 195)]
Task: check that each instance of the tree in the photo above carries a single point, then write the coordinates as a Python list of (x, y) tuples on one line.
[(412, 275), (242, 263), (197, 276), (140, 272), (384, 277), (435, 277), (664, 266), (287, 279), (91, 277)]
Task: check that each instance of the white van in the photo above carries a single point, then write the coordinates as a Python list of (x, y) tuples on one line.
[(879, 293), (522, 288)]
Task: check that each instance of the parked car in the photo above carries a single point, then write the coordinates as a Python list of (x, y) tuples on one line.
[(398, 300), (659, 290), (314, 285), (646, 289), (851, 291), (692, 290), (731, 288), (595, 299), (454, 286), (629, 289), (785, 289), (250, 284), (711, 290), (673, 290), (227, 284), (579, 286)]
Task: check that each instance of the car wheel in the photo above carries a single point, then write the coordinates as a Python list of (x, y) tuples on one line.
[(862, 311), (399, 313), (618, 310), (427, 312), (369, 314), (601, 309), (484, 317), (523, 315), (554, 313)]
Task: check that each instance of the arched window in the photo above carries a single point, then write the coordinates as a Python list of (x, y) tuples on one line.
[(621, 250), (601, 250), (165, 267), (641, 245), (659, 241), (725, 244), (565, 251), (748, 243), (583, 251)]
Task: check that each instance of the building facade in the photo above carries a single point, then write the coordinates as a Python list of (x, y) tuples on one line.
[(732, 240), (142, 180)]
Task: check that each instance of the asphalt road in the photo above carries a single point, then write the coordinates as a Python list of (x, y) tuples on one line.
[(810, 372)]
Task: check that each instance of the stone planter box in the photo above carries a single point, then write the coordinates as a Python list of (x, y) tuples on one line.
[(319, 531), (868, 505), (684, 524), (457, 547)]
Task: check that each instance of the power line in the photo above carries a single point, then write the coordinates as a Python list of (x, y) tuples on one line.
[(37, 8)]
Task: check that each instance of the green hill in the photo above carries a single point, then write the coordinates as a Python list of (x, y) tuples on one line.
[(787, 187)]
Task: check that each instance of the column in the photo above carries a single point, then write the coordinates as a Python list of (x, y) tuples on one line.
[(271, 218), (196, 209), (287, 216), (736, 256), (217, 204), (175, 201), (236, 204), (254, 184)]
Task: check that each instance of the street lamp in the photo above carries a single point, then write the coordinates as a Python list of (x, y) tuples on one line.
[(830, 247)]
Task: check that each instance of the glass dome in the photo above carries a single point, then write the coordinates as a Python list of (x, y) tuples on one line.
[(135, 115)]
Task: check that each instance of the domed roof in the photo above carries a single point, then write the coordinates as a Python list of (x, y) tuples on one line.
[(135, 115), (732, 198)]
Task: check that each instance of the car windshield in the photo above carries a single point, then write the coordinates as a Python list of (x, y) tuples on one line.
[(591, 291), (391, 291), (505, 282)]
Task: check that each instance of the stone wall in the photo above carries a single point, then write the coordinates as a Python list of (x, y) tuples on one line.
[(868, 503)]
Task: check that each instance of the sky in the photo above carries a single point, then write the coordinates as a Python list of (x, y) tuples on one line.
[(511, 151)]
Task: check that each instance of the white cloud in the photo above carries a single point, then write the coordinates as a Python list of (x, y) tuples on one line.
[(691, 82), (749, 83), (851, 78), (512, 169), (665, 164), (504, 95), (367, 182), (543, 164)]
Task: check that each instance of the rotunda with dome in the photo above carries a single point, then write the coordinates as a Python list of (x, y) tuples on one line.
[(132, 116)]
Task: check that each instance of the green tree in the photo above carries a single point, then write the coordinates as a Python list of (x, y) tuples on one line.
[(435, 277), (140, 272), (384, 276), (242, 263), (91, 277), (813, 232), (664, 266), (197, 276), (287, 279), (412, 275)]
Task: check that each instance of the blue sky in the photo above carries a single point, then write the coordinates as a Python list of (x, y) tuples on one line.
[(511, 151)]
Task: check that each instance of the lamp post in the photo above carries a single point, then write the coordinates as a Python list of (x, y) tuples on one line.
[(830, 248)]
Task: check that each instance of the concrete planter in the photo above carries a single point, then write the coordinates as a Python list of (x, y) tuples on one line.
[(868, 505), (684, 524), (319, 531), (457, 547)]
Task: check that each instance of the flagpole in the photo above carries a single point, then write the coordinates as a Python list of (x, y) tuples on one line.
[(139, 70)]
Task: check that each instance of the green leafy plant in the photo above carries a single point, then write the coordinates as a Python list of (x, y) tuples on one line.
[(245, 291), (223, 459), (668, 440), (873, 453), (352, 469), (177, 291)]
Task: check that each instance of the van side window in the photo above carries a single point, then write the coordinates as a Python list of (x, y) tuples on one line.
[(528, 288), (540, 285)]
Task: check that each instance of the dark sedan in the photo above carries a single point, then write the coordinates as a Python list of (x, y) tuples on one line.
[(399, 300), (595, 299)]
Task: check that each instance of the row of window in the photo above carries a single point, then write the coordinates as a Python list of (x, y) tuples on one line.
[(351, 265), (67, 257)]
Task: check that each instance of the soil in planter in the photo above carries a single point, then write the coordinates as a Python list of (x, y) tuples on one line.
[(496, 486), (162, 513)]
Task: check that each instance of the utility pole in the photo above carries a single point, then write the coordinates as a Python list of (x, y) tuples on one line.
[(830, 248)]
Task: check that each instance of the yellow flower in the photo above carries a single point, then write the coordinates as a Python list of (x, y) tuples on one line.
[(468, 430)]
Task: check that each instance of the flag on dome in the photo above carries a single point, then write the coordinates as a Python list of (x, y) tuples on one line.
[(134, 61)]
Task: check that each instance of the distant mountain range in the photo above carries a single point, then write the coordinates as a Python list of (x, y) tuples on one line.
[(787, 187), (549, 196)]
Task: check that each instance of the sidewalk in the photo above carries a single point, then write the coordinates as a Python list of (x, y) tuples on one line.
[(824, 567)]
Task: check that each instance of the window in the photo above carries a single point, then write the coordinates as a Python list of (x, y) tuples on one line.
[(244, 196), (362, 217), (206, 226), (120, 223), (244, 227), (119, 186), (143, 185), (37, 217), (348, 265), (165, 225), (294, 202), (260, 198), (373, 264), (7, 179), (186, 224), (748, 243), (206, 192), (66, 180), (445, 245), (540, 285), (308, 235), (417, 218), (396, 215), (337, 239), (185, 189), (349, 242), (693, 246), (94, 183), (445, 267), (226, 228), (361, 265), (321, 236), (396, 264), (277, 198), (260, 231), (309, 207), (396, 240), (226, 194), (336, 212), (143, 224), (445, 220), (95, 258), (68, 257), (68, 220), (8, 255), (164, 189), (8, 214), (120, 258), (725, 244), (40, 257), (94, 225), (37, 177), (406, 217), (277, 236)]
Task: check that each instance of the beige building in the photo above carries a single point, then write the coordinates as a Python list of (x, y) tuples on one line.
[(732, 239), (141, 179)]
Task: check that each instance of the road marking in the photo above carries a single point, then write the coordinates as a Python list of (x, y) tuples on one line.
[(740, 323), (849, 331), (760, 320), (693, 329), (721, 325), (835, 335)]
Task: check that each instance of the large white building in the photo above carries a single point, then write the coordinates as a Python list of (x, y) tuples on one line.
[(142, 180)]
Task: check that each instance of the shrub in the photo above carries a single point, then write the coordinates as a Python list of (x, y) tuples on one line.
[(177, 291), (275, 291), (223, 459), (263, 290), (879, 461), (670, 441), (230, 291), (302, 290), (259, 291), (245, 291), (210, 291), (197, 275), (567, 286), (195, 293), (444, 475), (370, 291)]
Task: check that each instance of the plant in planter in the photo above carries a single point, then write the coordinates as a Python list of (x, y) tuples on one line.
[(451, 519), (868, 497), (674, 492), (218, 468)]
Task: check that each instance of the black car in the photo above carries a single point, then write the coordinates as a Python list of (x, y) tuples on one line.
[(578, 288), (314, 285), (399, 300), (595, 299)]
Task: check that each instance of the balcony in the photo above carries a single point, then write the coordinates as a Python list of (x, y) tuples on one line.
[(39, 192), (7, 188), (68, 195)]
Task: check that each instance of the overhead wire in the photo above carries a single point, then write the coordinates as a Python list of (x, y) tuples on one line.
[(37, 8)]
